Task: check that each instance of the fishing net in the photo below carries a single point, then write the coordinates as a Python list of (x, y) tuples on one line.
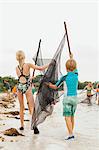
[(47, 97)]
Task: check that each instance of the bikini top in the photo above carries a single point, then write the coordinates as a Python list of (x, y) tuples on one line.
[(22, 75)]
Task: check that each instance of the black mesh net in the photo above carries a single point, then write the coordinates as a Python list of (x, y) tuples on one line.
[(38, 59), (47, 97)]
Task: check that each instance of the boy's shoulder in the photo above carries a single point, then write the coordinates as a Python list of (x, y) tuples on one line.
[(63, 77), (75, 71)]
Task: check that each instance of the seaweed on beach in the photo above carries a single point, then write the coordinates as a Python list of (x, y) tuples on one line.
[(14, 113), (12, 132)]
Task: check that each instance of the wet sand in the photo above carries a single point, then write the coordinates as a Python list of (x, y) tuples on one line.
[(53, 131)]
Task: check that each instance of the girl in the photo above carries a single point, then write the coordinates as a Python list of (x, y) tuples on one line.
[(24, 85)]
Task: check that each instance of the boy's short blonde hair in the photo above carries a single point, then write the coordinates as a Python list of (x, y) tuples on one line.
[(71, 65), (20, 55)]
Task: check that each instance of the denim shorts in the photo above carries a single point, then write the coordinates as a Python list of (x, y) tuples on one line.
[(69, 105)]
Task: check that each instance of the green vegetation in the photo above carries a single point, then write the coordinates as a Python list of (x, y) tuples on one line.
[(81, 85), (12, 82)]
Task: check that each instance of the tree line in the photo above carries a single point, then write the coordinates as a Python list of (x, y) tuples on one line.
[(7, 81)]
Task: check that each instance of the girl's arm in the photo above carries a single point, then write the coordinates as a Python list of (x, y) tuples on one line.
[(83, 90), (38, 67), (16, 71), (93, 89)]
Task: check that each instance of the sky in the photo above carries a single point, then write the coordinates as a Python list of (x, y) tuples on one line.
[(23, 23)]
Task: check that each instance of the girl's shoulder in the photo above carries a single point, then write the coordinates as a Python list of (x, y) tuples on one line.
[(26, 65), (17, 67)]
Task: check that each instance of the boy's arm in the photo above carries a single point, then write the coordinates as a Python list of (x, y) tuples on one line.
[(61, 80), (52, 86), (56, 86)]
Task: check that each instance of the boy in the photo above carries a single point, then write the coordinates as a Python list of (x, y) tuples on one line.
[(70, 99)]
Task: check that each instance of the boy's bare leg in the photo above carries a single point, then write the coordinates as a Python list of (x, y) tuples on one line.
[(69, 124), (72, 120)]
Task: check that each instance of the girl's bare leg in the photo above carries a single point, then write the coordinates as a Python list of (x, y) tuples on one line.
[(30, 100), (85, 100), (89, 100), (21, 102)]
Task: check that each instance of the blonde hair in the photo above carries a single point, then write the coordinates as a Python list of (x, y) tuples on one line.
[(20, 56), (71, 65)]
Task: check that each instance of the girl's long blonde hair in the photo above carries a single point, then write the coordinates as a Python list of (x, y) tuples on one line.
[(20, 57)]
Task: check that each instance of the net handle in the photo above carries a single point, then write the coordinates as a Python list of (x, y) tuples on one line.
[(37, 55), (67, 37)]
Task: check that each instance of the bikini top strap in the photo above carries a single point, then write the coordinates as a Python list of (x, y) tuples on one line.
[(22, 75), (21, 70)]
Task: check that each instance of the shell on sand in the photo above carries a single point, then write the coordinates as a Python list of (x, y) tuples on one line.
[(12, 132)]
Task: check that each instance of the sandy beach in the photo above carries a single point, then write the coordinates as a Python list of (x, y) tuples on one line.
[(53, 130)]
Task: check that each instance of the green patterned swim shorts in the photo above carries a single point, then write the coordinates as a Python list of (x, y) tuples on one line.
[(69, 105)]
